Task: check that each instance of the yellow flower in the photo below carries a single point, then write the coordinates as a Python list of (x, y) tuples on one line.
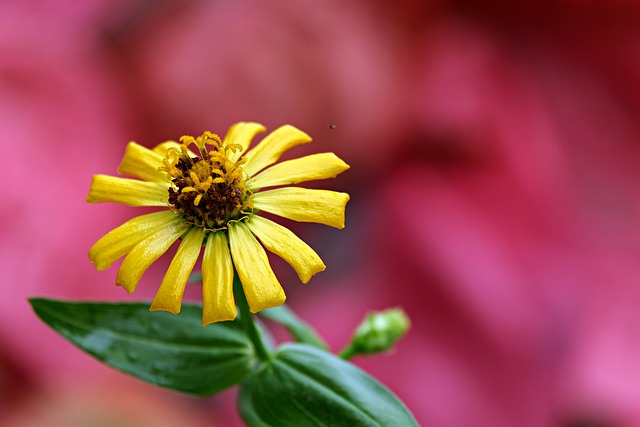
[(214, 199)]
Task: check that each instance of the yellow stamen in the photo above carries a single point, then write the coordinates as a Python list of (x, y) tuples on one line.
[(233, 147), (195, 178), (218, 183), (207, 184)]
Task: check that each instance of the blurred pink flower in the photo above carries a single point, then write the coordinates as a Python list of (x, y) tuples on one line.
[(507, 220), (513, 228), (60, 114), (323, 66)]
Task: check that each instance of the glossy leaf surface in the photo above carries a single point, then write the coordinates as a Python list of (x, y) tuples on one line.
[(305, 386), (173, 351)]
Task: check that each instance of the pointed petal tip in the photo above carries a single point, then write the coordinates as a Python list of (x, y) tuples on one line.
[(275, 301), (345, 200), (301, 135), (259, 127), (208, 319), (344, 165), (94, 258), (100, 266), (307, 279), (91, 199), (131, 146), (129, 287), (163, 306)]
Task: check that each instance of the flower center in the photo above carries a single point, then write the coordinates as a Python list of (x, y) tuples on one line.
[(208, 191)]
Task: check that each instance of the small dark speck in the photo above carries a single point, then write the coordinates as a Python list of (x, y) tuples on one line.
[(332, 126)]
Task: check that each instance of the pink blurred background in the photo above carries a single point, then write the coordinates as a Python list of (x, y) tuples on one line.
[(494, 148)]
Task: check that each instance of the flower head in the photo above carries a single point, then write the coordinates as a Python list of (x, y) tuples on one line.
[(213, 192)]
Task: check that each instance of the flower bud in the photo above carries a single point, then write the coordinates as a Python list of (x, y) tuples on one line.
[(378, 332)]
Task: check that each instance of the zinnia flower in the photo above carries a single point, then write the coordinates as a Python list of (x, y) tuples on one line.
[(214, 200)]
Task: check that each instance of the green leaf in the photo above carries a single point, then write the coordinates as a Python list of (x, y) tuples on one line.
[(245, 406), (306, 386), (173, 351), (301, 331)]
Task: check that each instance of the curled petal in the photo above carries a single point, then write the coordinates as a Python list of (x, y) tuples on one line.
[(130, 192), (284, 243), (146, 253), (269, 150), (241, 134), (169, 295), (304, 205), (218, 303), (142, 163), (259, 283), (119, 241), (308, 168)]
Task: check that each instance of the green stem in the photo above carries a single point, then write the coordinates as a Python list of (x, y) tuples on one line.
[(247, 322), (348, 353)]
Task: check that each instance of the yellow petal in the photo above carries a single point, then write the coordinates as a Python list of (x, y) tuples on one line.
[(130, 192), (146, 253), (269, 150), (259, 283), (241, 134), (119, 241), (169, 295), (218, 303), (284, 243), (308, 168), (142, 163), (304, 205)]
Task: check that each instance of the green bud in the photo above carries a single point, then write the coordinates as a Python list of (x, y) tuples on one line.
[(378, 332)]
